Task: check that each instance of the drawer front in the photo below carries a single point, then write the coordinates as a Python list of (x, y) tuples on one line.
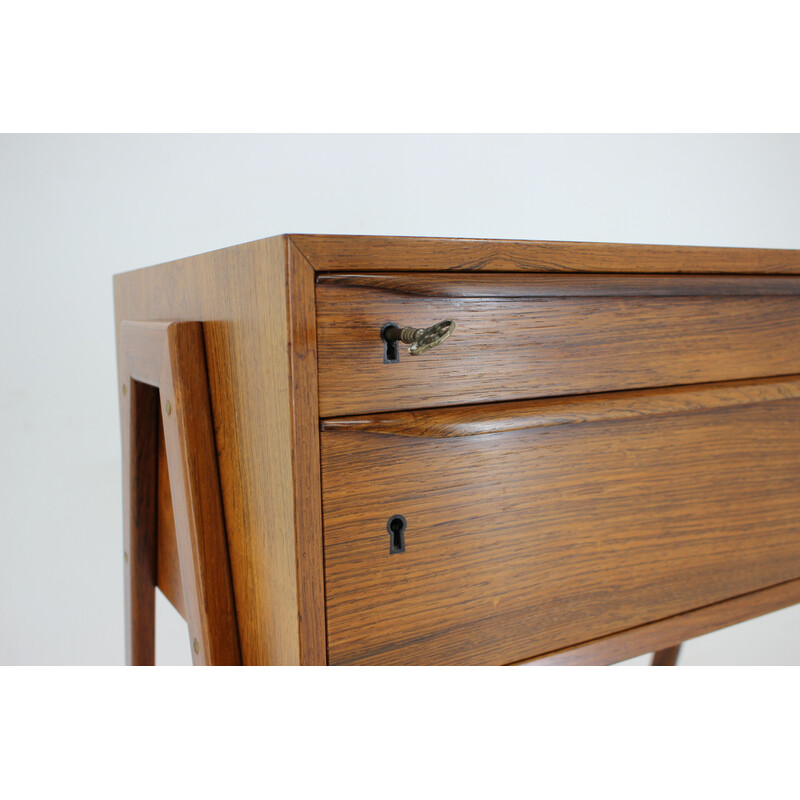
[(539, 525), (541, 335)]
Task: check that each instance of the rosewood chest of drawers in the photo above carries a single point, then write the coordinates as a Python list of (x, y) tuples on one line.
[(385, 450)]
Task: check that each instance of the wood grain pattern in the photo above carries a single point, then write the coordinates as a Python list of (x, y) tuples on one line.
[(529, 541), (240, 294), (402, 253), (196, 500), (486, 418), (666, 632), (514, 348), (622, 522), (305, 459)]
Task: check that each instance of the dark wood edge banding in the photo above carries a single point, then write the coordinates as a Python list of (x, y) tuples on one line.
[(408, 253), (515, 286), (668, 632), (487, 418)]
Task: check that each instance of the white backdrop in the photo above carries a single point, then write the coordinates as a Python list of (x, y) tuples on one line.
[(76, 209)]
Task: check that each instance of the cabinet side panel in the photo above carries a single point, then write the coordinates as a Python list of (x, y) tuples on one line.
[(239, 293)]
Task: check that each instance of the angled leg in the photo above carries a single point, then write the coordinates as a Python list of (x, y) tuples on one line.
[(196, 497), (171, 356), (139, 454), (667, 657)]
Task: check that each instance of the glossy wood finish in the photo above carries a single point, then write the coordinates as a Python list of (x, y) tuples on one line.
[(196, 500), (171, 357), (509, 348), (411, 254), (254, 345), (527, 541), (665, 633), (574, 529), (486, 418)]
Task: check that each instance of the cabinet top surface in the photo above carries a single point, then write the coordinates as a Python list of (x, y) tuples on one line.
[(337, 253)]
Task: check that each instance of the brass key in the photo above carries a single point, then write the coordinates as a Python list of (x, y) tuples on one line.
[(420, 339)]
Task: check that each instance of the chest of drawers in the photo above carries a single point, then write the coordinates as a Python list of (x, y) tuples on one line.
[(601, 457)]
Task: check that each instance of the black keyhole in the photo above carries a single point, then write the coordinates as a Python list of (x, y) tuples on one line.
[(391, 352), (397, 533)]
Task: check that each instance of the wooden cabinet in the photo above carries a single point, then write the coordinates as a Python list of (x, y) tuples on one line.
[(600, 460)]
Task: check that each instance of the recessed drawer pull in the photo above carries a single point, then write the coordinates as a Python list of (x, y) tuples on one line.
[(485, 418), (419, 339)]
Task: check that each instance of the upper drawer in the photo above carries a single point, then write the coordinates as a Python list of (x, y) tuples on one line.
[(525, 336)]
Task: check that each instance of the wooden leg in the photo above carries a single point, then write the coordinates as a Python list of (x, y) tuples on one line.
[(667, 657), (171, 357), (140, 449), (196, 498)]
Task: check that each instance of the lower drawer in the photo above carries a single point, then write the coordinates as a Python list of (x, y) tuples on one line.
[(532, 526)]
